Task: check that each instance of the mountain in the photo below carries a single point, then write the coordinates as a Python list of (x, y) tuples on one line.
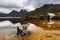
[(49, 8), (13, 13), (46, 8), (23, 11)]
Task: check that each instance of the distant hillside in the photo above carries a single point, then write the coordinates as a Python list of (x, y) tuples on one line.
[(3, 14)]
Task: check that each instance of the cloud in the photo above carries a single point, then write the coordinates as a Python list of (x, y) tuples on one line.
[(39, 3), (7, 6), (7, 10), (6, 24), (4, 10)]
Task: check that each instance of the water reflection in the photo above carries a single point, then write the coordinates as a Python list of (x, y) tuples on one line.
[(36, 30), (6, 24)]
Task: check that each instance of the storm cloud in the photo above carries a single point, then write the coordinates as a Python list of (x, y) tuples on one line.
[(7, 6)]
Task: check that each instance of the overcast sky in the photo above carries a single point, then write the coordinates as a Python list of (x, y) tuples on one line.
[(7, 6)]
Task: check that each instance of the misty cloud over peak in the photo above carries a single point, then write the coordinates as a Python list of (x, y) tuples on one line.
[(7, 6)]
